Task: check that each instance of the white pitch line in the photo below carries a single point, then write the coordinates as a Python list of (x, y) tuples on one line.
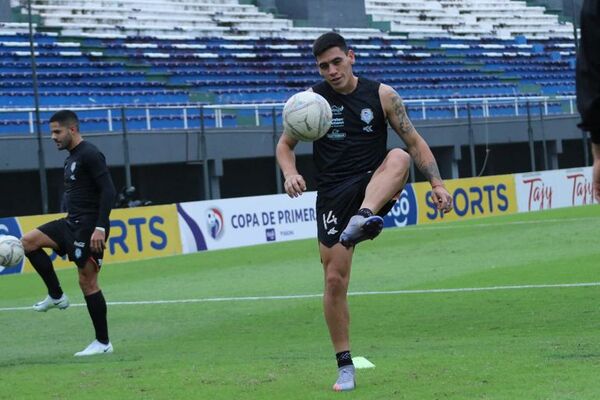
[(454, 225), (309, 296)]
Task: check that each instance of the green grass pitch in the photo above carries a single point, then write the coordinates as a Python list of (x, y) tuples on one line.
[(519, 340)]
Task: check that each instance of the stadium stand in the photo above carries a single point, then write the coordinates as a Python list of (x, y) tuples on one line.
[(151, 53), (475, 18)]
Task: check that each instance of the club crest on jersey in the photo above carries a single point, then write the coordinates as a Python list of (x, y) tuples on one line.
[(366, 115), (73, 166)]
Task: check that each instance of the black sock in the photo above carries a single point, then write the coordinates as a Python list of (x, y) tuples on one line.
[(365, 212), (96, 306), (344, 358), (43, 265)]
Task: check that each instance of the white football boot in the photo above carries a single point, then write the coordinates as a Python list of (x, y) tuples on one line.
[(361, 228), (95, 348), (345, 379), (50, 302)]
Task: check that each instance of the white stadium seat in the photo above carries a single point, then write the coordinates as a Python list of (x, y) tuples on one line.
[(467, 19), (479, 18)]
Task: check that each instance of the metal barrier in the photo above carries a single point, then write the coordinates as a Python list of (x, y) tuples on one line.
[(187, 116)]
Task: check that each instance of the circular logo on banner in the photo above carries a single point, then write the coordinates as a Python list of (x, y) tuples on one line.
[(215, 222), (404, 212)]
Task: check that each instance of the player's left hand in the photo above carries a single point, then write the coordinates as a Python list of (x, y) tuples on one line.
[(442, 198), (98, 241)]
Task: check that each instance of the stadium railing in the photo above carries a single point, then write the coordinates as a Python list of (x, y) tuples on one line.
[(20, 120)]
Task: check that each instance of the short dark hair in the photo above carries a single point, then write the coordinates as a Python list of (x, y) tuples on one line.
[(65, 117), (328, 40)]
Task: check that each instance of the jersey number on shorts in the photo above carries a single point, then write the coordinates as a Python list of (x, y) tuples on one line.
[(330, 219)]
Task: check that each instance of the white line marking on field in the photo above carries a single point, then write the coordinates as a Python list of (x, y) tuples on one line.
[(309, 296), (457, 224)]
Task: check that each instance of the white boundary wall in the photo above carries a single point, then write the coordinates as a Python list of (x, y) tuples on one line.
[(245, 221), (554, 189)]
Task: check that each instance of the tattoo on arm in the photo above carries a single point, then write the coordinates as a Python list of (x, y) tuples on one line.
[(430, 171), (418, 149), (405, 127), (428, 167)]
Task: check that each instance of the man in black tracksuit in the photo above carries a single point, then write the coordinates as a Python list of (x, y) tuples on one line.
[(82, 234)]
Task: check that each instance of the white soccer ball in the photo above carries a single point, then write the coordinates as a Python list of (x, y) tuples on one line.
[(306, 116), (11, 251)]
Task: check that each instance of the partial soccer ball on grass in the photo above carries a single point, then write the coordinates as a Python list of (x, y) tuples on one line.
[(306, 116), (11, 251)]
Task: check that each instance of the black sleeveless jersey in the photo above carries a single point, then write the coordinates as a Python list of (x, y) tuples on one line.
[(356, 143)]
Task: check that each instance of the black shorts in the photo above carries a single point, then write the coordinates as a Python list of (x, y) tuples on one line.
[(334, 211), (73, 239)]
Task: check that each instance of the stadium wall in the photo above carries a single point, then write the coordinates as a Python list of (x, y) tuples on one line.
[(269, 6), (325, 13), (5, 11), (567, 8), (156, 231)]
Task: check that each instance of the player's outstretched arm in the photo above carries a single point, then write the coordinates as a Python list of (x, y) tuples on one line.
[(107, 195), (294, 183), (416, 145)]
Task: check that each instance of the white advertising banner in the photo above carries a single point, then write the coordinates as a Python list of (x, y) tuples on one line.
[(554, 189), (245, 221)]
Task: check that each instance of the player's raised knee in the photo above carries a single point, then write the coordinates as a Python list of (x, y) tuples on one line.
[(398, 159), (29, 243)]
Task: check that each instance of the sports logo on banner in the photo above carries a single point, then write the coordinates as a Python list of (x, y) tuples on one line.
[(404, 212), (215, 223), (473, 198)]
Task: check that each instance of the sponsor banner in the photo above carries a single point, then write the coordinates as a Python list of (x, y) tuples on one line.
[(135, 234), (10, 226), (143, 232), (227, 223), (473, 197), (405, 210), (146, 232), (554, 189)]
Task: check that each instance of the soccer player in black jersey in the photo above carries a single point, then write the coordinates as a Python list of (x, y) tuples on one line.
[(82, 234), (358, 179), (588, 81)]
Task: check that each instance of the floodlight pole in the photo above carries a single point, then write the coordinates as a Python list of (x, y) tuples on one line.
[(574, 16), (126, 160), (38, 123), (278, 180)]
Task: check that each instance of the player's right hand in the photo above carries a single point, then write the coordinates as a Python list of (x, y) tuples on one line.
[(98, 241), (442, 198), (294, 185)]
